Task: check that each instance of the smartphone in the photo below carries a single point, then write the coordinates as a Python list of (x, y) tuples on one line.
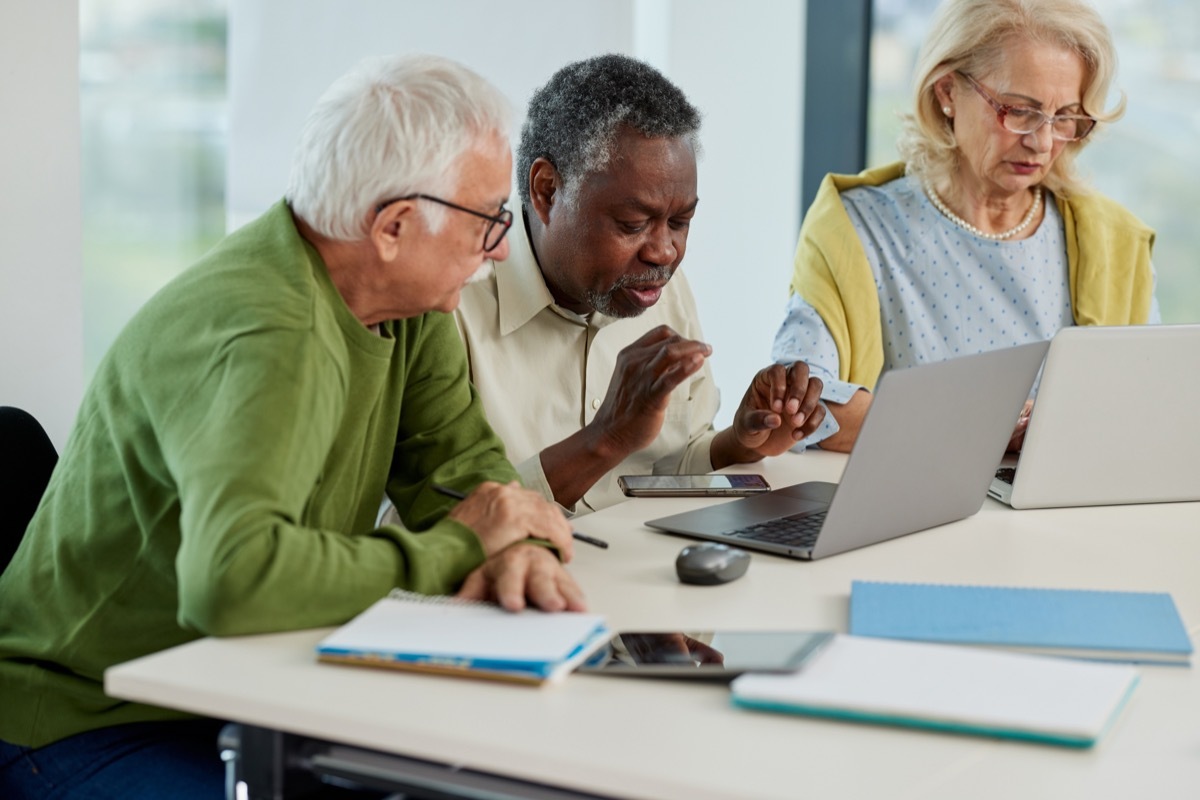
[(707, 655), (692, 485)]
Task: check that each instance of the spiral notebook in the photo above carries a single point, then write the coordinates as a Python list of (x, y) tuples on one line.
[(947, 688), (447, 636)]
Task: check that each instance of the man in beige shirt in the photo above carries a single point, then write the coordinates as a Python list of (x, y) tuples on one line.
[(585, 344)]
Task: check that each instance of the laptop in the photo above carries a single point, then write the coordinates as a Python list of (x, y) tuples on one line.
[(1115, 421), (926, 453)]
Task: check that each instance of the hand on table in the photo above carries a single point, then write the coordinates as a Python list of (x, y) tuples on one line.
[(524, 574), (503, 514)]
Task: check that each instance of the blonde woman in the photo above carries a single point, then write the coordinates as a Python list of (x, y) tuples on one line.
[(983, 237)]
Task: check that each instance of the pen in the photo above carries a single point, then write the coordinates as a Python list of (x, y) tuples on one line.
[(457, 495)]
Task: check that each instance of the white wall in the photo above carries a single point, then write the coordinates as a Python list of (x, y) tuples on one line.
[(284, 53), (740, 63), (41, 294)]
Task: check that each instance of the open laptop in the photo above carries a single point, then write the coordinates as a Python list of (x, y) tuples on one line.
[(1115, 421), (925, 455)]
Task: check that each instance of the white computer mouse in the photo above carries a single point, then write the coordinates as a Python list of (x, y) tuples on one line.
[(711, 563)]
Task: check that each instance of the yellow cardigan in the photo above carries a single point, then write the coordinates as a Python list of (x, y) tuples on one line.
[(1108, 265)]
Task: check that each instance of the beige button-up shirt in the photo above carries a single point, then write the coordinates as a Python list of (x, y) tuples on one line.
[(543, 372)]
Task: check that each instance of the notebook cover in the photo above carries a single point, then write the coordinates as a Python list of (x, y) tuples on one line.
[(453, 637), (535, 675), (947, 688), (1110, 625)]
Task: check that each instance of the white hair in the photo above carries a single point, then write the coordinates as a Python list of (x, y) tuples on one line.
[(390, 127)]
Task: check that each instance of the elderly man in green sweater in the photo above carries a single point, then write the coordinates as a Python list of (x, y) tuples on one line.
[(227, 465)]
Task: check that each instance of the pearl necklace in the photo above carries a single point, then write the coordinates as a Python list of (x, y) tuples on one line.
[(962, 223)]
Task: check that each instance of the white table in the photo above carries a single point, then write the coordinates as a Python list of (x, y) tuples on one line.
[(656, 739)]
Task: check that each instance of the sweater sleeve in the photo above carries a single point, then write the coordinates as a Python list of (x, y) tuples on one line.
[(831, 272), (246, 444), (249, 448), (444, 436)]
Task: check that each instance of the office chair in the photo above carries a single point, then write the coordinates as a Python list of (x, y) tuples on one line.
[(27, 457)]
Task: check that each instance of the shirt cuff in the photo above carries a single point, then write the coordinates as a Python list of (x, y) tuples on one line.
[(697, 459), (838, 391), (534, 477)]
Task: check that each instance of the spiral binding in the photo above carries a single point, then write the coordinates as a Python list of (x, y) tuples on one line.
[(435, 599)]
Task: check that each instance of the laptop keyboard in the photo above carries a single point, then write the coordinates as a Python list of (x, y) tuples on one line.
[(798, 530), (1006, 474)]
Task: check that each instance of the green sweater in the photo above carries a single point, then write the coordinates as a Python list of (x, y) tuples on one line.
[(224, 475)]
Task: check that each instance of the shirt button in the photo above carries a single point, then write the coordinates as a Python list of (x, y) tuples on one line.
[(595, 403)]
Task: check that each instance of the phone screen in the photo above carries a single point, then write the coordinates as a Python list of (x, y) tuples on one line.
[(706, 654), (693, 484)]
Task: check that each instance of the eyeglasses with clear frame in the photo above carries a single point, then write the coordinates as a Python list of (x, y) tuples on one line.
[(498, 225), (1025, 120)]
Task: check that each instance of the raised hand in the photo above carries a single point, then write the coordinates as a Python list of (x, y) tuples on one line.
[(631, 415), (780, 408), (646, 373)]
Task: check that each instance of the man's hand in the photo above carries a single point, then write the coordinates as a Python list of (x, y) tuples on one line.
[(779, 409), (503, 514), (646, 373), (631, 415), (523, 574), (675, 648)]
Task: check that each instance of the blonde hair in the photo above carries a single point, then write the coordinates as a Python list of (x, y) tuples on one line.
[(971, 36)]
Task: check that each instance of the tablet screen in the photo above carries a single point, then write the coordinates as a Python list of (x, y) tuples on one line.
[(705, 654)]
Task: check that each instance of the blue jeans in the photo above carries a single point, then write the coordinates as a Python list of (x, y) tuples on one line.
[(176, 759)]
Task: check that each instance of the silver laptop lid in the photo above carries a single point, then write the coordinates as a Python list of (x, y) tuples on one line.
[(924, 457), (1115, 419), (929, 446)]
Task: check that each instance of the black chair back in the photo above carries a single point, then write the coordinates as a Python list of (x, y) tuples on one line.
[(27, 457)]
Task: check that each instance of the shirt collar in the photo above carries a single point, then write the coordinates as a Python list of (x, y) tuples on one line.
[(521, 291)]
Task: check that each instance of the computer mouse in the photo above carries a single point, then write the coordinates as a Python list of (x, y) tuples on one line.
[(711, 563)]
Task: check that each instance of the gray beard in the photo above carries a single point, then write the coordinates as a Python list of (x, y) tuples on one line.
[(603, 302)]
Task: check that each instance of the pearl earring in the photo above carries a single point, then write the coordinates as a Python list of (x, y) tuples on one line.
[(947, 110)]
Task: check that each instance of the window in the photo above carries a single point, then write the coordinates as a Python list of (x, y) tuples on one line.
[(152, 101), (1147, 161)]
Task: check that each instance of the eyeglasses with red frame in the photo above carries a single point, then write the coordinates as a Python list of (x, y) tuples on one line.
[(1025, 120)]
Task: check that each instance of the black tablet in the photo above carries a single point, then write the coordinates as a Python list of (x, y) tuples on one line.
[(713, 655)]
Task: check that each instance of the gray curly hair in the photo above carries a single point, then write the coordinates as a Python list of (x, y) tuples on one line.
[(573, 120)]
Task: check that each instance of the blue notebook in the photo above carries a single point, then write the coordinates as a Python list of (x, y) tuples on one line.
[(1142, 627)]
